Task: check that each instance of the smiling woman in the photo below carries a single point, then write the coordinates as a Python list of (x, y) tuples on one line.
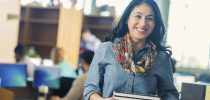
[(133, 59), (141, 23)]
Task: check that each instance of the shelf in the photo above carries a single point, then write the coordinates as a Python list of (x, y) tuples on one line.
[(101, 17), (47, 27), (99, 27), (40, 43), (40, 7), (41, 21)]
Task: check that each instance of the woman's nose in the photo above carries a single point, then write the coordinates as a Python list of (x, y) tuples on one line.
[(143, 22)]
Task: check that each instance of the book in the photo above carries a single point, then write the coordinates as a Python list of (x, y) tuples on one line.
[(125, 96), (193, 91), (6, 94), (207, 94)]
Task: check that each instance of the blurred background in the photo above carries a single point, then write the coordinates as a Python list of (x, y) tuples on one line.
[(41, 25)]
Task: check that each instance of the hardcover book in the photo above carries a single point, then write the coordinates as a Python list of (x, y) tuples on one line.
[(193, 91), (125, 96), (207, 94)]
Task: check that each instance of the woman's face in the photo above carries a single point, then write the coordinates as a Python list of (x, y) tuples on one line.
[(141, 22)]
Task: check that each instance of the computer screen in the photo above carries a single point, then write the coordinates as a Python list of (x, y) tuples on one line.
[(13, 75), (48, 76)]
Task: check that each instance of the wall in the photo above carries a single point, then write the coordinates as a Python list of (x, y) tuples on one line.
[(9, 19)]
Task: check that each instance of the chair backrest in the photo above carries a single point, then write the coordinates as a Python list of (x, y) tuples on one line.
[(6, 94), (65, 86), (203, 77)]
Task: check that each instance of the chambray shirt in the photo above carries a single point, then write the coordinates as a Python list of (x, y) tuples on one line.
[(107, 75)]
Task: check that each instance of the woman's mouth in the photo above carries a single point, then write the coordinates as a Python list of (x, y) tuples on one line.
[(141, 29)]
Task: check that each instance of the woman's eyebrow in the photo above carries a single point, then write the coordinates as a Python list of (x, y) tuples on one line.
[(143, 14)]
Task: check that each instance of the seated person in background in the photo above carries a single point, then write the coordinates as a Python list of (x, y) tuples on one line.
[(58, 57), (21, 57), (75, 93), (203, 77), (89, 40)]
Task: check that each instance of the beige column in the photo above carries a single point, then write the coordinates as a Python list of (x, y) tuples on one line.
[(9, 19)]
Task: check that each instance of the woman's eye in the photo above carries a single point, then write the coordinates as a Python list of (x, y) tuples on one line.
[(150, 18), (138, 16)]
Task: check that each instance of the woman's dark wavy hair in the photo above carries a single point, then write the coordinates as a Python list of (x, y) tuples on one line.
[(122, 28)]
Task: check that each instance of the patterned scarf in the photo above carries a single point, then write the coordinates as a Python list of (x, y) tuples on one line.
[(124, 53)]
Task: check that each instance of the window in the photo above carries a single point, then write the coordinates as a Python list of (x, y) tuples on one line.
[(119, 7), (189, 32)]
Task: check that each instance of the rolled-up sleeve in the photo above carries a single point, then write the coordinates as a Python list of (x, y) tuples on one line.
[(166, 88), (94, 80)]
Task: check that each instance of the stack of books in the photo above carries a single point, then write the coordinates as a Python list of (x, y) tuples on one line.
[(125, 96)]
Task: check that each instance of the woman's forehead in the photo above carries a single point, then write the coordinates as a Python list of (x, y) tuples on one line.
[(144, 9)]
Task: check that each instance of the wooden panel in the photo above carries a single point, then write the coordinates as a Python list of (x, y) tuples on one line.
[(69, 31), (6, 94), (24, 93)]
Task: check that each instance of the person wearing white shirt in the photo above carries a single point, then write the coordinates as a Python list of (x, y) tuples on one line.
[(91, 42)]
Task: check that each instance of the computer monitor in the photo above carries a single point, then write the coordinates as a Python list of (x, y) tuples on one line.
[(48, 76), (13, 75)]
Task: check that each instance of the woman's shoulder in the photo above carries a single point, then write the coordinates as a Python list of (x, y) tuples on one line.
[(105, 49), (106, 45), (163, 54)]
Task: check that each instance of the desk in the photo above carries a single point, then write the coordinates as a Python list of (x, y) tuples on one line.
[(25, 93), (31, 93)]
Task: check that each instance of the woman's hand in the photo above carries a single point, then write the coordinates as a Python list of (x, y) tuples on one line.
[(112, 98), (96, 96), (55, 98)]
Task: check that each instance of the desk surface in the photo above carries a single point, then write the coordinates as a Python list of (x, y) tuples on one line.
[(25, 93)]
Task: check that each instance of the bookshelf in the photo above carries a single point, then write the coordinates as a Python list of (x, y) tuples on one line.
[(98, 25), (45, 28)]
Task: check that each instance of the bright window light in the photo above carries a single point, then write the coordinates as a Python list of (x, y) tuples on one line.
[(188, 32)]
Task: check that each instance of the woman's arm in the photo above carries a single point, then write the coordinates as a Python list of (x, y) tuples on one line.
[(166, 88), (94, 82)]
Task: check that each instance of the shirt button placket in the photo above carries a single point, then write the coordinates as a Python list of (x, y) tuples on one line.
[(130, 85)]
